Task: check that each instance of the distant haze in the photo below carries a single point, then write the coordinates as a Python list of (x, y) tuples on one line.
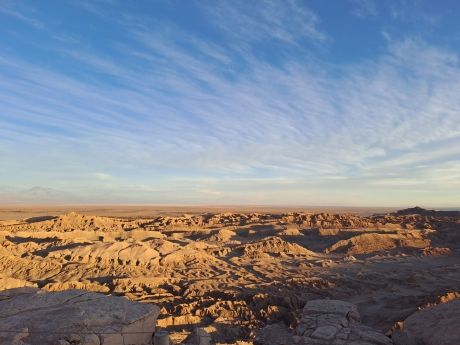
[(230, 103)]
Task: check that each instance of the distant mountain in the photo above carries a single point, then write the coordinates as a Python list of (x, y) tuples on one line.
[(43, 192), (36, 194), (424, 212)]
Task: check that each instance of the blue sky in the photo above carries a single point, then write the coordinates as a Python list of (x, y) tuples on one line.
[(230, 102)]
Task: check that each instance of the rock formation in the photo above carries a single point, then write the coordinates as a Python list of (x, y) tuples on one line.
[(324, 322), (230, 274), (423, 212), (437, 325), (31, 316), (369, 243)]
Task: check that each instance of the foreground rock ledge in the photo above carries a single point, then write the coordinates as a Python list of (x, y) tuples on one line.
[(35, 317), (324, 322), (437, 325)]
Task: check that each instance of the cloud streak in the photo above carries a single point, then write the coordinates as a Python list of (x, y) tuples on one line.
[(191, 118)]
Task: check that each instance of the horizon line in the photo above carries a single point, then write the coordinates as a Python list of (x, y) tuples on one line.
[(214, 205)]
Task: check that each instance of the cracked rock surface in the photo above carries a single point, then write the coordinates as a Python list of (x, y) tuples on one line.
[(324, 322), (30, 316)]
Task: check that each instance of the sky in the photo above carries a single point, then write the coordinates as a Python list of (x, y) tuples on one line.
[(338, 102)]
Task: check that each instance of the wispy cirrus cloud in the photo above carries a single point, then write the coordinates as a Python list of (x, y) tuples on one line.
[(364, 8), (20, 12), (197, 119), (286, 21)]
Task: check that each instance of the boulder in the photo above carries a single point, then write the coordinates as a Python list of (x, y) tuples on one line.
[(438, 325), (324, 322), (32, 316)]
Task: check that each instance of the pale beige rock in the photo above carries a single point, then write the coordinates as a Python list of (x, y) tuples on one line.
[(53, 317), (234, 272), (118, 253), (223, 235), (290, 230), (369, 243), (88, 286), (275, 245), (11, 283)]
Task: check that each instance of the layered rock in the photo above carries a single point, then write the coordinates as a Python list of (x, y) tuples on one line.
[(274, 245), (123, 253), (31, 316), (406, 219), (7, 282), (369, 243), (233, 273), (291, 230)]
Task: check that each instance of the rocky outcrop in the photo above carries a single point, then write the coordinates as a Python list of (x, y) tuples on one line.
[(223, 235), (424, 212), (324, 322), (369, 243), (290, 230), (274, 245), (414, 218), (232, 273), (31, 316), (7, 282), (438, 325), (116, 253)]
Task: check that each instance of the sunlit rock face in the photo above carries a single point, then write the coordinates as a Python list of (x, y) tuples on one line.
[(232, 274)]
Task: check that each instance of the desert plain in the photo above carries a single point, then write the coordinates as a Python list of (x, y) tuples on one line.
[(234, 271)]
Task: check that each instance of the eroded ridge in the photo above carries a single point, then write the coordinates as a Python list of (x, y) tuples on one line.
[(233, 273)]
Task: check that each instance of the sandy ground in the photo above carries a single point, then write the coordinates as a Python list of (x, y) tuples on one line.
[(146, 211), (236, 271)]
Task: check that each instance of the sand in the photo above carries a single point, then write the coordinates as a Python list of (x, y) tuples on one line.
[(232, 273), (145, 211)]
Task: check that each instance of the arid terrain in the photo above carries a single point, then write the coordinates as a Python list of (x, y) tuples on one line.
[(233, 273)]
